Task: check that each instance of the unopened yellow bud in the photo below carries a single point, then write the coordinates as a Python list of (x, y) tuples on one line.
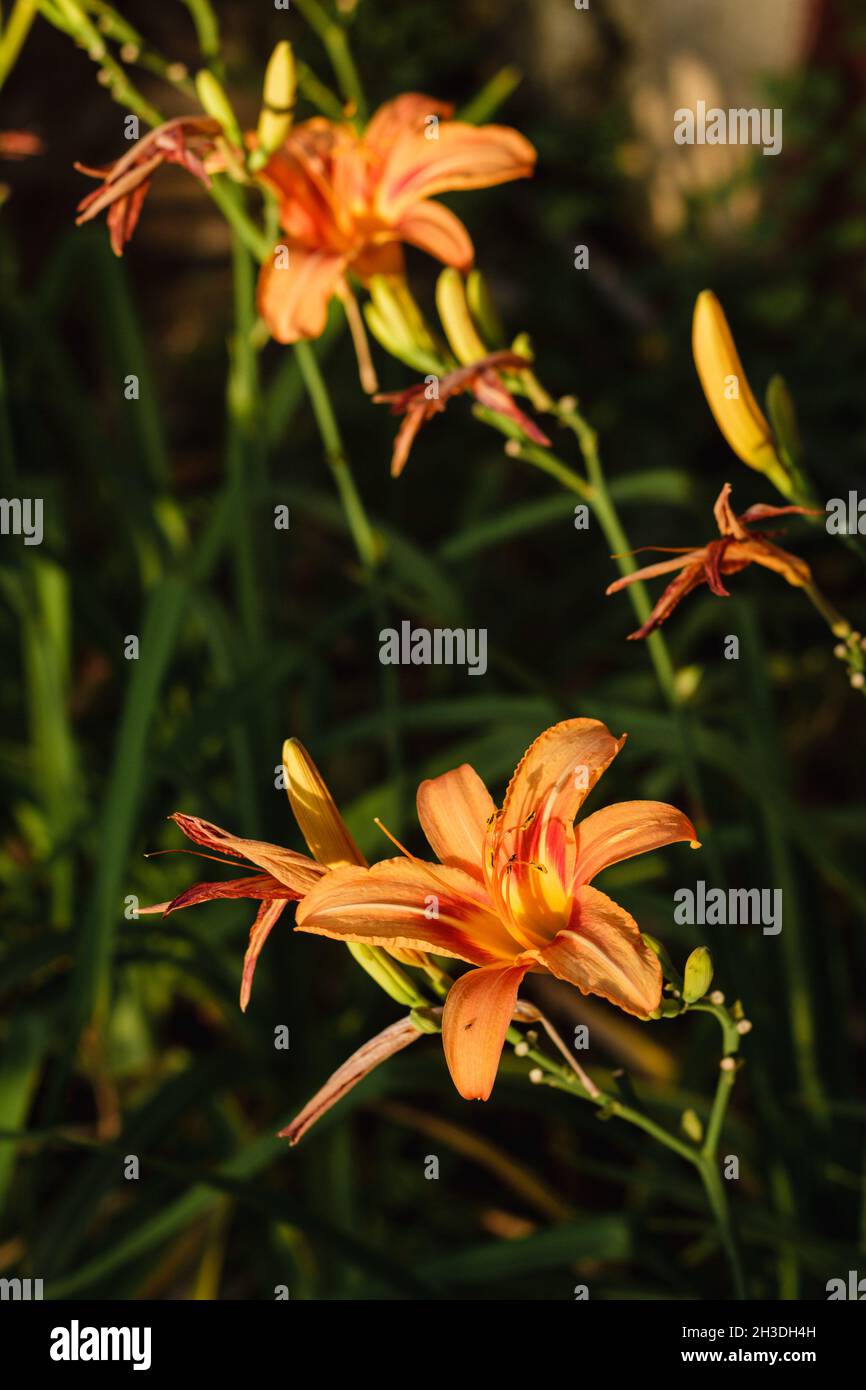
[(319, 821), (213, 98), (729, 395), (456, 319), (278, 101)]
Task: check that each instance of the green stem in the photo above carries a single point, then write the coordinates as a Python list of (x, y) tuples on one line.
[(727, 1074), (335, 454), (548, 463), (709, 1156), (207, 31), (70, 18), (224, 193), (333, 37), (366, 544), (135, 48), (718, 1200), (243, 454), (317, 94)]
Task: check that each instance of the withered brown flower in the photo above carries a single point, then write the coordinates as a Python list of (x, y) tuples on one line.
[(737, 547)]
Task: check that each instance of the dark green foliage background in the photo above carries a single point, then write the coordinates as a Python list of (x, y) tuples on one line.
[(123, 1037)]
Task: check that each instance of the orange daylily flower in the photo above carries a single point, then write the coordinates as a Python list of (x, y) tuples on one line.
[(482, 378), (189, 141), (738, 547), (285, 875), (348, 201), (511, 893)]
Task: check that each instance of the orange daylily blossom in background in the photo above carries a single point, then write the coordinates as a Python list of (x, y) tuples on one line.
[(284, 876), (349, 201), (482, 378), (20, 144), (190, 141), (512, 892), (738, 547)]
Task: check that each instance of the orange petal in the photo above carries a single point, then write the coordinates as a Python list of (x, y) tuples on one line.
[(475, 1020), (689, 557), (435, 229), (306, 209), (625, 829), (689, 578), (409, 904), (406, 113), (463, 156), (300, 173), (602, 952), (319, 821), (295, 871), (530, 848), (268, 915), (293, 300), (454, 810), (728, 522), (404, 439), (790, 567)]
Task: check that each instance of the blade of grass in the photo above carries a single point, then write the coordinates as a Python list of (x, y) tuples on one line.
[(90, 981), (20, 1064)]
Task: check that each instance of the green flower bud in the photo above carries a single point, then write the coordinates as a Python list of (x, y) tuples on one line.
[(669, 970), (213, 98), (783, 418), (698, 975), (691, 1126), (278, 101), (387, 974), (484, 310), (426, 1020)]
